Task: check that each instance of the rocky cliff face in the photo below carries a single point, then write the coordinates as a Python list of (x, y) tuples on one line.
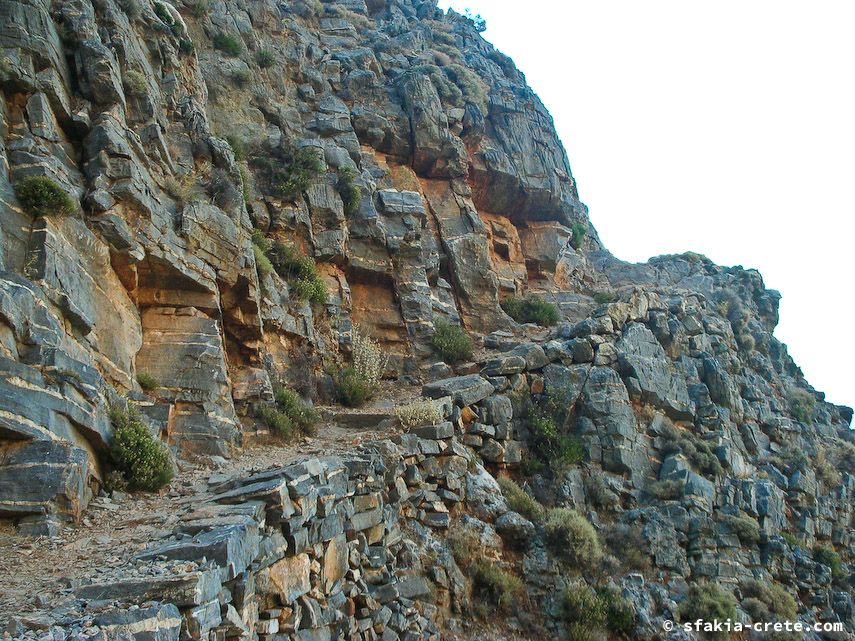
[(182, 133)]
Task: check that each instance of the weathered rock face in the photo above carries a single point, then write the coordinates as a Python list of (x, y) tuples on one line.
[(180, 157)]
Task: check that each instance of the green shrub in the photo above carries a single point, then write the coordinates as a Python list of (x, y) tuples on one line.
[(802, 405), (451, 342), (548, 445), (603, 297), (300, 271), (147, 381), (598, 493), (520, 501), (134, 83), (277, 422), (40, 196), (465, 545), (708, 601), (665, 490), (826, 555), (198, 8), (826, 469), (627, 543), (765, 600), (245, 183), (531, 309), (186, 46), (792, 540), (579, 232), (228, 44), (494, 585), (351, 193), (262, 263), (473, 90), (572, 537), (163, 14), (289, 173), (698, 451), (351, 389), (238, 147), (302, 416), (744, 527), (241, 76), (265, 58), (588, 612), (141, 458), (131, 8)]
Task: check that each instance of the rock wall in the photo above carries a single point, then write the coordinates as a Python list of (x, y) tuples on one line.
[(174, 128)]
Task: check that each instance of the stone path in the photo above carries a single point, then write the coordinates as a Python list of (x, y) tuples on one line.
[(37, 572)]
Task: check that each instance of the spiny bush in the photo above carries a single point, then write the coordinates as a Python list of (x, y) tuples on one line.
[(604, 297), (493, 584), (802, 404), (184, 189), (419, 412), (547, 444), (134, 83), (598, 493), (265, 58), (826, 470), (300, 271), (302, 416), (531, 309), (276, 421), (665, 490), (744, 527), (465, 544), (578, 231), (587, 612), (451, 342), (627, 543), (473, 90), (350, 192), (826, 555), (147, 381), (572, 537), (698, 451), (765, 600), (131, 8), (198, 8), (358, 382), (449, 93), (141, 458), (289, 170), (520, 501), (709, 602), (40, 196), (228, 44)]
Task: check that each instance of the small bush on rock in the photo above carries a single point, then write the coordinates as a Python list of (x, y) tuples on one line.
[(134, 83), (300, 271), (289, 171), (451, 342), (598, 493), (277, 422), (531, 309), (548, 444), (302, 416), (228, 44), (802, 404), (141, 458), (265, 58), (744, 527), (464, 544), (698, 451), (627, 543), (350, 192), (767, 600), (665, 490), (358, 382), (147, 381), (588, 612), (351, 389), (419, 412), (572, 537), (40, 196), (494, 585), (579, 232), (826, 555), (709, 602), (520, 501), (603, 297)]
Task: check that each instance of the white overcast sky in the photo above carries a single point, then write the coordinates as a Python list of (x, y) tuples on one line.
[(726, 128)]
